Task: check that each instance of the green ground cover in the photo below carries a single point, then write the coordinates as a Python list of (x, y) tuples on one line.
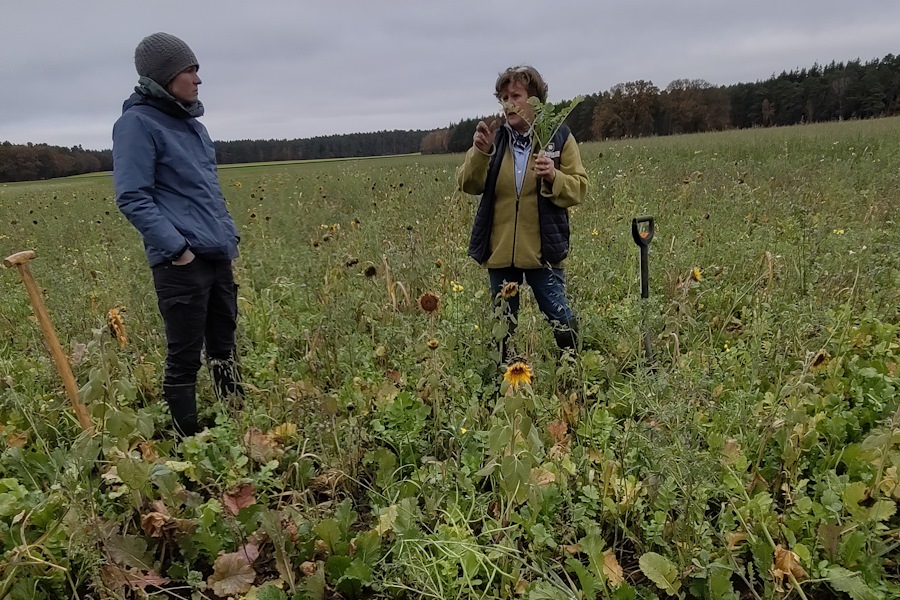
[(379, 453)]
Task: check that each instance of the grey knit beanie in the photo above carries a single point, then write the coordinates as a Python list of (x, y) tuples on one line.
[(162, 56)]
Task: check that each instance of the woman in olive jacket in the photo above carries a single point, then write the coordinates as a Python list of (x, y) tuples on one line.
[(521, 228)]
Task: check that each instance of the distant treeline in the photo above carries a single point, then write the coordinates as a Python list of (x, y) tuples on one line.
[(835, 92), (379, 143), (838, 91), (40, 161)]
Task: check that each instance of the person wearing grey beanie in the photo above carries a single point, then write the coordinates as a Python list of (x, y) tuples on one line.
[(166, 184), (162, 56)]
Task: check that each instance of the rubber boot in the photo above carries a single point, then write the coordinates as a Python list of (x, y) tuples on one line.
[(566, 336), (182, 401)]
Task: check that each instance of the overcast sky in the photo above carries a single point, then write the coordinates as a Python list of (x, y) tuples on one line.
[(295, 69)]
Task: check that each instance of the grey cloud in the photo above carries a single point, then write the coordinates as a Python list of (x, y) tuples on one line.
[(288, 68)]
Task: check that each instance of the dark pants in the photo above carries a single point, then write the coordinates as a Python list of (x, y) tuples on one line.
[(549, 288), (547, 284), (198, 303)]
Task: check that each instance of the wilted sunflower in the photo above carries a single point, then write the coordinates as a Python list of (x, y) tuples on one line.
[(517, 373), (509, 290), (116, 323), (429, 302)]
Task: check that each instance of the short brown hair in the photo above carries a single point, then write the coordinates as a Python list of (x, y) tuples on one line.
[(528, 76)]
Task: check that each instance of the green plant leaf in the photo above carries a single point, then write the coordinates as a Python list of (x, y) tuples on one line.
[(270, 592), (661, 571), (129, 551), (852, 584), (882, 510), (589, 582), (330, 533)]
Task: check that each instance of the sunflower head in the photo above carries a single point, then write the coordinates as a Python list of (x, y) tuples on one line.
[(518, 373), (429, 302), (509, 289), (116, 323)]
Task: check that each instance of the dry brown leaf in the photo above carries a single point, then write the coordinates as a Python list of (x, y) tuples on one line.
[(612, 569), (521, 587), (735, 539), (117, 578), (787, 563), (326, 483), (572, 548), (249, 551), (559, 431), (153, 523), (17, 439), (148, 451), (558, 452), (542, 477), (260, 447), (731, 452), (242, 497), (232, 575)]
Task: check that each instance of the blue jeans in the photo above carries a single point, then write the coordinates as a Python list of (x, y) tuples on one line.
[(549, 288)]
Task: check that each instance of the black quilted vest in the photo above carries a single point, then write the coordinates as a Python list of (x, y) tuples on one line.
[(554, 221)]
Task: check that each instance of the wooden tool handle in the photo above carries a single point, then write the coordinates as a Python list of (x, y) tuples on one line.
[(19, 258)]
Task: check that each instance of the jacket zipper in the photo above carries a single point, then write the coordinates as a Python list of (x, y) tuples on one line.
[(515, 230), (518, 196)]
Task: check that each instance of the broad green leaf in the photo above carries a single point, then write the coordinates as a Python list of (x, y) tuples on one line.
[(882, 510), (330, 532), (345, 515), (852, 547), (852, 584), (270, 592), (336, 566), (129, 551), (661, 571), (134, 473), (852, 496), (590, 583), (544, 590), (386, 520), (720, 582), (368, 547)]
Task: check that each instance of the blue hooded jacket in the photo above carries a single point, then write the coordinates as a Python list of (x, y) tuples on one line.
[(166, 183)]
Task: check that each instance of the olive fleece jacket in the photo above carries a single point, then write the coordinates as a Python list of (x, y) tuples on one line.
[(515, 232)]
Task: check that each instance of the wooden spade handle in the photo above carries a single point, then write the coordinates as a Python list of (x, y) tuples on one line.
[(19, 258), (20, 261)]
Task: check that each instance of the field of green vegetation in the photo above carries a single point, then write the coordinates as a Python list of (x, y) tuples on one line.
[(379, 453)]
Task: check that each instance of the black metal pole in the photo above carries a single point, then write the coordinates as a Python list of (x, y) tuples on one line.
[(645, 272), (642, 239)]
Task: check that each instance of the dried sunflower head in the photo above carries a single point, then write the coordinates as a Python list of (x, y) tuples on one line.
[(509, 289), (116, 323), (429, 302)]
